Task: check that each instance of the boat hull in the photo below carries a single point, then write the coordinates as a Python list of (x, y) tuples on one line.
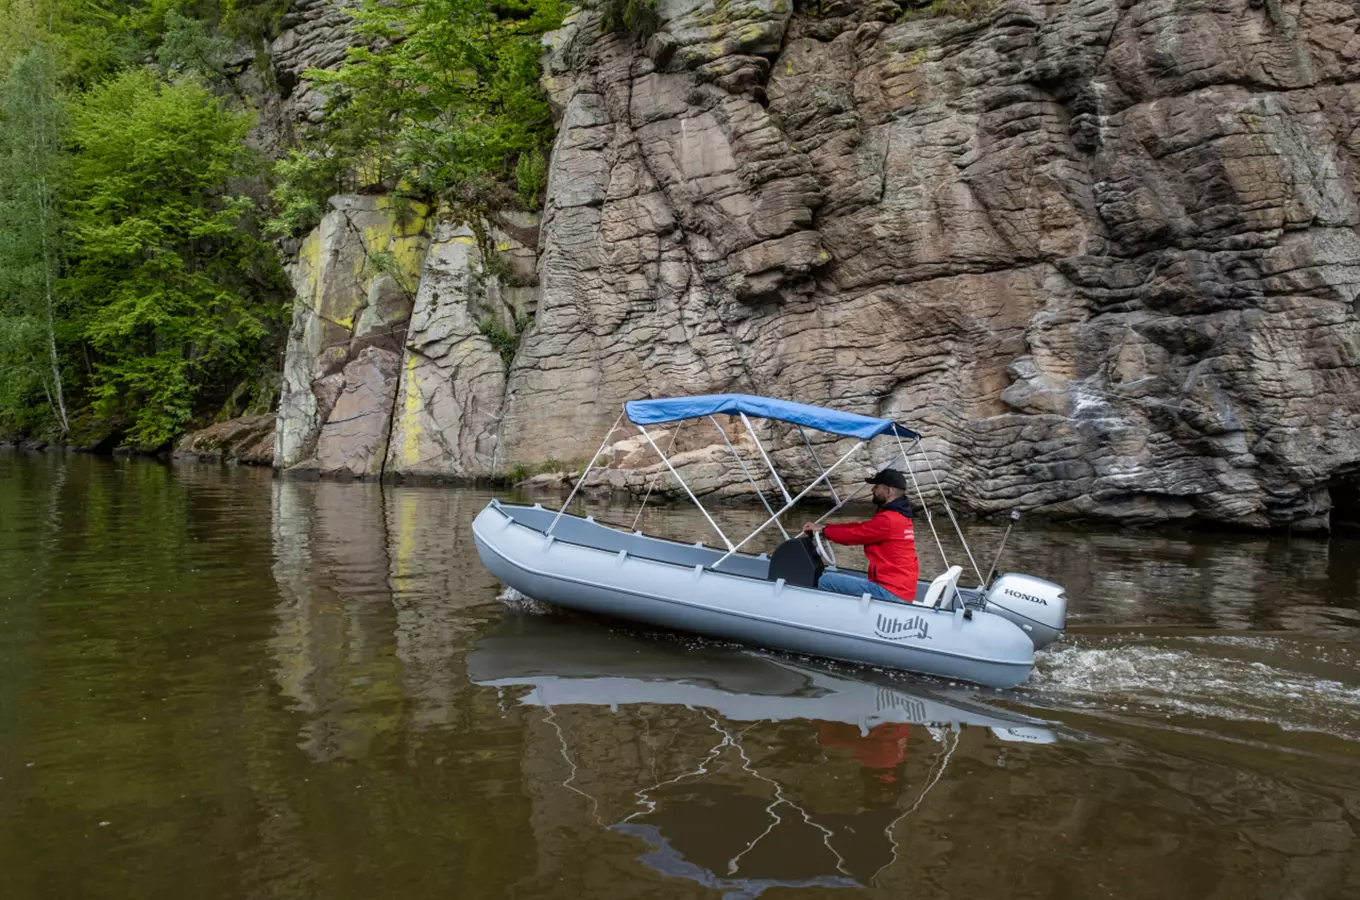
[(592, 569)]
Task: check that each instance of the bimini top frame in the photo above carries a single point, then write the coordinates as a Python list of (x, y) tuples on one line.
[(674, 409), (678, 409)]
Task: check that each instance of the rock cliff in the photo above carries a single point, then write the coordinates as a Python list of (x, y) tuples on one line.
[(1104, 254)]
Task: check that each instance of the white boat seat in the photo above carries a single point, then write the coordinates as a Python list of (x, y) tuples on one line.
[(943, 589)]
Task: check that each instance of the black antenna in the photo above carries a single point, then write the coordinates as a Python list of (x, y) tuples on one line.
[(1015, 517)]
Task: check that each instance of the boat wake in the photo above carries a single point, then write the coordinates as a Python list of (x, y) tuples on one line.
[(1294, 686), (523, 603)]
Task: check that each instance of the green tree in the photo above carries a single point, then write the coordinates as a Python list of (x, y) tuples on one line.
[(188, 47), (90, 39), (31, 168), (180, 300)]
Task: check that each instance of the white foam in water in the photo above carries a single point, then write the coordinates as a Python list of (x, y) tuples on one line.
[(522, 602), (1144, 678)]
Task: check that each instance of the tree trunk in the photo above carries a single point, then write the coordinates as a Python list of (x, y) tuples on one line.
[(48, 264)]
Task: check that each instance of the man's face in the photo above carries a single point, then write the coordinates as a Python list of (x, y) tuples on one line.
[(881, 494)]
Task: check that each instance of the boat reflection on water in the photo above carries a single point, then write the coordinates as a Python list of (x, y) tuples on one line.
[(757, 804)]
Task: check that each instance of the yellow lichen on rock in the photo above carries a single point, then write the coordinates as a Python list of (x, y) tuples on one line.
[(307, 271), (412, 404), (753, 33)]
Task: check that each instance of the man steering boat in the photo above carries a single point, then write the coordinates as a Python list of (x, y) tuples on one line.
[(888, 540)]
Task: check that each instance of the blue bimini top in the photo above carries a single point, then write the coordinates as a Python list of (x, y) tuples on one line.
[(673, 409)]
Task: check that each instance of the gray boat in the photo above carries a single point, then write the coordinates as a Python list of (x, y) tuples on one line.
[(986, 634)]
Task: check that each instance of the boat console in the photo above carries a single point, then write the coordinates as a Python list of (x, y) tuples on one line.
[(797, 562)]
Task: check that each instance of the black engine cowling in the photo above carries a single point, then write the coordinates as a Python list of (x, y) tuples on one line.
[(797, 562)]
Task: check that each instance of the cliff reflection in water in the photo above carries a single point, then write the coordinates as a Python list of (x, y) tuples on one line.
[(372, 616)]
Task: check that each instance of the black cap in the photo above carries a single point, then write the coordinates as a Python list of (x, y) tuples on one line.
[(890, 477)]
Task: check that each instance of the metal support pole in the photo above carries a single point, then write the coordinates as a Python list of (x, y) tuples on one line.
[(930, 520), (576, 487), (788, 506), (820, 468), (730, 548), (832, 511), (1015, 517), (747, 472), (778, 482), (950, 512), (651, 482)]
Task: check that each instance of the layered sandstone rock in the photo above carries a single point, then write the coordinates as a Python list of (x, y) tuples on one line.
[(1102, 253), (316, 34), (356, 278), (453, 379)]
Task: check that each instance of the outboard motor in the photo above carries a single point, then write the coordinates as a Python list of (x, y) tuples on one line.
[(1039, 607), (797, 562)]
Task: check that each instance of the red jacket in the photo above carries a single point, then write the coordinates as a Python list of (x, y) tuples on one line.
[(890, 545), (884, 747)]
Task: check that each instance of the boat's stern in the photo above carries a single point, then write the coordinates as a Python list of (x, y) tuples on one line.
[(1039, 607)]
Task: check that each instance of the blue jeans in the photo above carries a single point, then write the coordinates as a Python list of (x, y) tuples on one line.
[(845, 583)]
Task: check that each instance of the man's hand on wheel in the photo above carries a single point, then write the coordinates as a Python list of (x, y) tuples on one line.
[(809, 528)]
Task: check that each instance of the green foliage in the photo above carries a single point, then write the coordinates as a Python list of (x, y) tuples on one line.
[(94, 39), (188, 47), (444, 105), (640, 18), (387, 263), (130, 272), (176, 292), (531, 179), (32, 170), (503, 340), (304, 182), (963, 9), (523, 471), (257, 20), (88, 40), (138, 278)]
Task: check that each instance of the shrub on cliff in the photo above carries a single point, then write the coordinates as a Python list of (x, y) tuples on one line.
[(444, 95), (961, 9), (640, 18)]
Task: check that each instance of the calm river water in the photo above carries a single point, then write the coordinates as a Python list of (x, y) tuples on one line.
[(215, 684)]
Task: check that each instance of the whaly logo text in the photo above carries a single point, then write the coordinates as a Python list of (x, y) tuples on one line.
[(901, 629)]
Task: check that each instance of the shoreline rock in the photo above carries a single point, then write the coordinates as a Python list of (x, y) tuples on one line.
[(555, 487), (248, 440)]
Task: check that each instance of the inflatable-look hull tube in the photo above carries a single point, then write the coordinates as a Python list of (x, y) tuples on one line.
[(593, 568)]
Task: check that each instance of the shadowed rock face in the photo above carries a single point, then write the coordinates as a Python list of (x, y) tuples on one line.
[(248, 439), (1102, 253), (316, 34)]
